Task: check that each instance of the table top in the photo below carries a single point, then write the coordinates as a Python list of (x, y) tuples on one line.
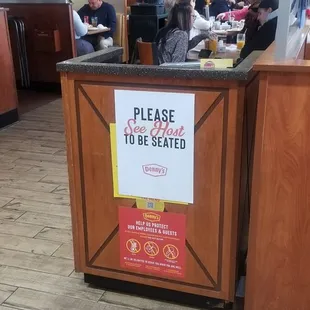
[(229, 32), (91, 31), (231, 53)]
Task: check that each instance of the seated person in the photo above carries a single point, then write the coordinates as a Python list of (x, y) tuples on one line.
[(82, 46), (236, 14), (220, 6), (173, 40), (248, 12), (200, 24), (267, 17), (106, 15), (251, 23)]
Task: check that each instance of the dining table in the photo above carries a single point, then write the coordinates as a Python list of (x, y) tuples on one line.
[(231, 52), (95, 30)]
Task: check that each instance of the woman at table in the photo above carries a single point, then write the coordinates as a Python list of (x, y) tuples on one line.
[(265, 35), (200, 24), (82, 46), (173, 40)]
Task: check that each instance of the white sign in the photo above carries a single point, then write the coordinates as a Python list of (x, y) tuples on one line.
[(155, 144)]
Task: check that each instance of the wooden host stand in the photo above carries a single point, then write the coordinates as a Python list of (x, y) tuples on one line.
[(222, 146)]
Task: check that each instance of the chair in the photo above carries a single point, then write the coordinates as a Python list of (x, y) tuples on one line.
[(147, 52), (120, 35)]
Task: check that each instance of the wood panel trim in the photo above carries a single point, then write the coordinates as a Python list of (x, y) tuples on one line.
[(154, 81), (8, 118), (9, 100), (307, 48), (259, 138), (69, 98), (70, 12), (90, 262), (155, 282)]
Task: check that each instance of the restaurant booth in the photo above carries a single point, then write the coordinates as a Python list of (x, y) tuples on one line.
[(245, 150)]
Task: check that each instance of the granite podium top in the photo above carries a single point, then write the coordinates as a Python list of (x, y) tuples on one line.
[(96, 63)]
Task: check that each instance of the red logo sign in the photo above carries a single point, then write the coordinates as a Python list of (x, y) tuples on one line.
[(154, 170), (209, 65), (156, 247), (152, 217)]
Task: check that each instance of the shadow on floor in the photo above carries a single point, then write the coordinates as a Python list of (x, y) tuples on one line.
[(29, 100)]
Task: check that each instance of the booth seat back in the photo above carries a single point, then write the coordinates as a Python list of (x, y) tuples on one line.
[(120, 35)]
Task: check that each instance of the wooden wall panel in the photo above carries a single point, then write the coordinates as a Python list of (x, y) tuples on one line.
[(44, 17), (248, 139), (279, 253), (8, 93)]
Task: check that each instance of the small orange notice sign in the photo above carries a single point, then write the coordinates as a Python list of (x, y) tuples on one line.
[(152, 242)]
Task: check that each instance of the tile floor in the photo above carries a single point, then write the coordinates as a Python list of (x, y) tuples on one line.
[(36, 265)]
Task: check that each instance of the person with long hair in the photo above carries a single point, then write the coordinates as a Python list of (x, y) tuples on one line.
[(200, 23), (173, 40)]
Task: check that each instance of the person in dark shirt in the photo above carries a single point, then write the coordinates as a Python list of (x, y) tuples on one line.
[(267, 16), (220, 6), (106, 15)]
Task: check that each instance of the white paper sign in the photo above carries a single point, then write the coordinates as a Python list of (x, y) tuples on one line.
[(155, 144)]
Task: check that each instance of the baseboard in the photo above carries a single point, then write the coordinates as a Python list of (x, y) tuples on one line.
[(8, 118), (154, 293)]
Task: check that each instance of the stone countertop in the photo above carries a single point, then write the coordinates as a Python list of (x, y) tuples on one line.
[(94, 64)]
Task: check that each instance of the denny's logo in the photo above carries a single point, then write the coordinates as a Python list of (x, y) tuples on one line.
[(152, 217)]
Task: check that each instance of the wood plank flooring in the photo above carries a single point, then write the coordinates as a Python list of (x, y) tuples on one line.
[(36, 260)]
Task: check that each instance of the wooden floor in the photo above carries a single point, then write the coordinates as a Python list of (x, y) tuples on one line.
[(36, 266)]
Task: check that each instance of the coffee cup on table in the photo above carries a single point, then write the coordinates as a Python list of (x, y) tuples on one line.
[(217, 25)]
